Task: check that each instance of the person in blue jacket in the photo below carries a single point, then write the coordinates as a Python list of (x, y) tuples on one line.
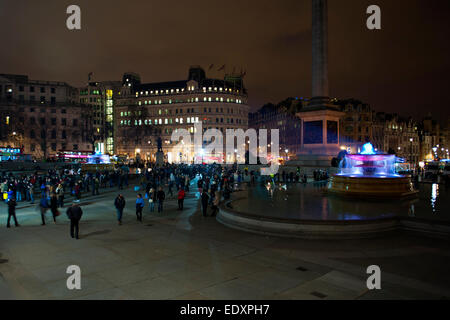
[(139, 207)]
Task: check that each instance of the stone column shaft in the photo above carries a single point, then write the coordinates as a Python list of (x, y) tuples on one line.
[(319, 49)]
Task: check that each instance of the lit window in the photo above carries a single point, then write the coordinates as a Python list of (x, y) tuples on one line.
[(160, 121), (166, 121)]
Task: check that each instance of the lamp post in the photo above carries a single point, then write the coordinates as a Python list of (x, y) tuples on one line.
[(411, 149)]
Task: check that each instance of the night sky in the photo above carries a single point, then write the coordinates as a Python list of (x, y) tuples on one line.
[(402, 68)]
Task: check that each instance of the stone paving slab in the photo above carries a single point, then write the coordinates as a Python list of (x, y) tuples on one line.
[(182, 255)]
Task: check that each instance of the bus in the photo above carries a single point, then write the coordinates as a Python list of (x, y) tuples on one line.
[(74, 156)]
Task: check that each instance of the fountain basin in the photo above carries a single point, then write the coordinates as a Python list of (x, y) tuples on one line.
[(370, 175), (372, 187)]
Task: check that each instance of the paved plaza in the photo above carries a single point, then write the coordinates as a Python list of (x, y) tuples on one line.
[(182, 255)]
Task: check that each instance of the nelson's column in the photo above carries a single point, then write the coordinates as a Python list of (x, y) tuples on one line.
[(320, 119)]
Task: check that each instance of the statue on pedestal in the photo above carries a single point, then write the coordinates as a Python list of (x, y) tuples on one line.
[(159, 153)]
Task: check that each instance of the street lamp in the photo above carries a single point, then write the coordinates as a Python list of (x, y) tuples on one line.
[(411, 149)]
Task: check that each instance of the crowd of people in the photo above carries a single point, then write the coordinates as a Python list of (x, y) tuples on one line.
[(152, 184)]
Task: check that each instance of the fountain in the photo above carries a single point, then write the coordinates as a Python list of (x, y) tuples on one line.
[(370, 175)]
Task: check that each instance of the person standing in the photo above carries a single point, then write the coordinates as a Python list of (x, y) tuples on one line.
[(97, 186), (12, 212), (77, 190), (31, 192), (119, 203), (74, 213), (205, 200), (181, 196), (161, 196), (60, 195), (139, 207)]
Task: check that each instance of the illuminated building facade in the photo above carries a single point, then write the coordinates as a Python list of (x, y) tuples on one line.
[(146, 111), (42, 117), (100, 96)]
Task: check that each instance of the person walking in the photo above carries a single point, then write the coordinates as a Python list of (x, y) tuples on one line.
[(43, 205), (152, 199), (74, 213), (181, 196), (139, 207), (161, 196), (54, 206), (205, 200), (12, 212), (119, 203), (215, 204)]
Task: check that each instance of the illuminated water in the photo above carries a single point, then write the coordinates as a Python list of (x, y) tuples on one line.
[(311, 202), (368, 164)]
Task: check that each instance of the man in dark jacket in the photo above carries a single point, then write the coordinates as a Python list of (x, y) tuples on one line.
[(161, 196), (12, 212), (205, 200), (119, 203), (74, 213)]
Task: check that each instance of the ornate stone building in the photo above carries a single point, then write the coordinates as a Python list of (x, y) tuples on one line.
[(42, 117), (146, 111)]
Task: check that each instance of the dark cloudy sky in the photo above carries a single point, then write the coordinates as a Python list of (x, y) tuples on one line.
[(402, 68)]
